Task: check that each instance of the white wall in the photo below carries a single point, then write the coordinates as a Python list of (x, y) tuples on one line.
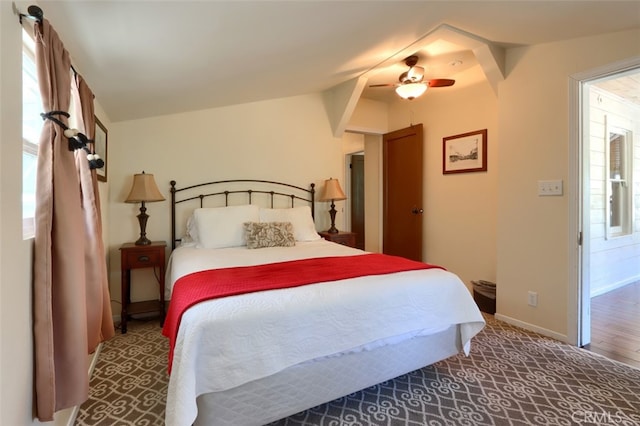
[(288, 140), (459, 225), (352, 143), (16, 351), (370, 117), (614, 262), (533, 232)]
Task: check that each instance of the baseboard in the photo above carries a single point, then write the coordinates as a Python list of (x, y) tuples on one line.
[(92, 365), (614, 286), (532, 327)]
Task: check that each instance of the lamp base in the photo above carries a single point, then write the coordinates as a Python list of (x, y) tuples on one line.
[(143, 241), (142, 220), (332, 213)]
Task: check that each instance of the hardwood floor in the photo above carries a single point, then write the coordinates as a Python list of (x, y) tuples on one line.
[(615, 324)]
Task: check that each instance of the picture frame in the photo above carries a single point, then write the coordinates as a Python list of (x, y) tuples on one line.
[(100, 148), (466, 152)]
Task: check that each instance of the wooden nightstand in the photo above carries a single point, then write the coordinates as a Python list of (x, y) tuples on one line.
[(344, 238), (135, 257)]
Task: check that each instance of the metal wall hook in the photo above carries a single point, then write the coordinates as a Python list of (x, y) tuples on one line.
[(33, 12)]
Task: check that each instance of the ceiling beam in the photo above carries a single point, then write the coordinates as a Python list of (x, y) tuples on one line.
[(490, 56), (340, 101)]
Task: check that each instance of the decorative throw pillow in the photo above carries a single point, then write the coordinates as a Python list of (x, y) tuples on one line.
[(269, 234)]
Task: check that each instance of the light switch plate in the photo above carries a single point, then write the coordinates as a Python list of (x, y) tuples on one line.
[(549, 187)]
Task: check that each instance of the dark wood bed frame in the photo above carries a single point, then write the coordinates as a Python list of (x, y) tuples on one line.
[(296, 193)]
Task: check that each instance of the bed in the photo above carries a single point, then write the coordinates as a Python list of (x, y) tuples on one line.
[(320, 329)]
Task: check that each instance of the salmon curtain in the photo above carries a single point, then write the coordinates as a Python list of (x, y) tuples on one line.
[(62, 244), (99, 317)]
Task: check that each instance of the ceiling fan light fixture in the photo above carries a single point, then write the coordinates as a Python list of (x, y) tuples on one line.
[(411, 90)]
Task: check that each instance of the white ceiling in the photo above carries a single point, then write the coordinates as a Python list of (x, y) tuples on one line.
[(147, 58), (626, 86)]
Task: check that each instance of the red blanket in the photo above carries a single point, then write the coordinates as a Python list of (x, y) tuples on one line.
[(214, 283)]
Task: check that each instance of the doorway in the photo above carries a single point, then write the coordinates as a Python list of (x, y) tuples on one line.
[(357, 191), (608, 107)]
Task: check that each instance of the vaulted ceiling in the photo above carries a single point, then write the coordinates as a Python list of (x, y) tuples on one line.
[(147, 58)]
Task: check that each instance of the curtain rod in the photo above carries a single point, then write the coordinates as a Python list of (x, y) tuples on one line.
[(34, 12)]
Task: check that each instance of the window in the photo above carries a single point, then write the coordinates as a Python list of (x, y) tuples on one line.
[(31, 129), (618, 181)]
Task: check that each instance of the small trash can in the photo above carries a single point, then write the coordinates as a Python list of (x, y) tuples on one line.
[(484, 294)]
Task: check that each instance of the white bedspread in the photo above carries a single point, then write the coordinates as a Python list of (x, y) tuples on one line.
[(226, 342)]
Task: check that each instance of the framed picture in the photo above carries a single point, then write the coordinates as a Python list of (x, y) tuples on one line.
[(465, 153), (100, 142)]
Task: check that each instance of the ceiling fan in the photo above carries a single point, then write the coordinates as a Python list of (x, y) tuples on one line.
[(412, 83)]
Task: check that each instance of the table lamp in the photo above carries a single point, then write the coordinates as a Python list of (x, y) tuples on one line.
[(332, 192), (143, 190)]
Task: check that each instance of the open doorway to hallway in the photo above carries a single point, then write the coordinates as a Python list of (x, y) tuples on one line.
[(356, 200), (611, 216)]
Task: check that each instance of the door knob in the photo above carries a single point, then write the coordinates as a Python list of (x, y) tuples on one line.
[(416, 210)]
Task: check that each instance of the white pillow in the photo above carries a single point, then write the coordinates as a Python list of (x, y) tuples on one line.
[(300, 217), (221, 227)]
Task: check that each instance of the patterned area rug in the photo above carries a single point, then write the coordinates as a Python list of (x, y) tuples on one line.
[(129, 382), (512, 377)]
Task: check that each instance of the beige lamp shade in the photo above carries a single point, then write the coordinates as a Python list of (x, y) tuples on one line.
[(144, 189), (332, 191)]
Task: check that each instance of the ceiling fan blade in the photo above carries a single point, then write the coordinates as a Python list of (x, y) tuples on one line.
[(441, 82), (382, 85)]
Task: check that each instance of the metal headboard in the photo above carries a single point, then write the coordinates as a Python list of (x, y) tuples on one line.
[(277, 190)]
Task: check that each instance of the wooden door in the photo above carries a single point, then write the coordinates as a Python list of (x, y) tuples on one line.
[(402, 192), (357, 199)]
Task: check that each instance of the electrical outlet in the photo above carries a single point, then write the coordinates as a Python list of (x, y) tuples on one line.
[(532, 298), (549, 187)]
